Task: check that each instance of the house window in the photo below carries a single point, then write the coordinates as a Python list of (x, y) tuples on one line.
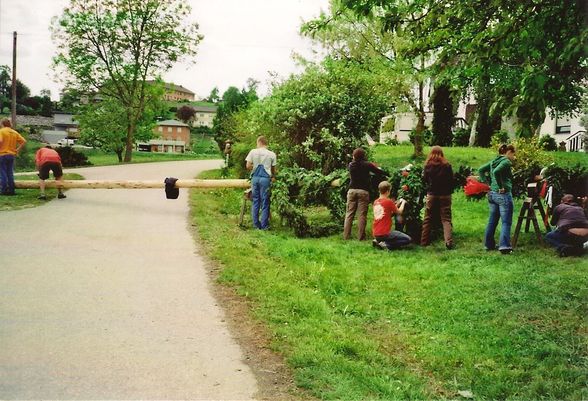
[(160, 129), (563, 129), (169, 129), (201, 114)]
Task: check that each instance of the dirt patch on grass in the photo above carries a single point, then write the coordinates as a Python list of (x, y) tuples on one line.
[(274, 377)]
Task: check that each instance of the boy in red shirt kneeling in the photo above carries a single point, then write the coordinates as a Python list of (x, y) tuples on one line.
[(384, 209)]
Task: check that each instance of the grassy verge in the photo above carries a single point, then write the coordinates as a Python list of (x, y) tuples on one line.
[(357, 323), (100, 158), (400, 155), (27, 198)]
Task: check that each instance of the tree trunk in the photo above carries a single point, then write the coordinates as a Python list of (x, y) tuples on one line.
[(442, 116), (418, 135), (129, 144)]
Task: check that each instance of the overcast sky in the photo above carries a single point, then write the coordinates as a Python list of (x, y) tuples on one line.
[(243, 39)]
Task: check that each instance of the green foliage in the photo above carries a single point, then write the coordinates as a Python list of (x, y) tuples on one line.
[(296, 189), (104, 125), (567, 180), (225, 125), (115, 45), (427, 137), (530, 159), (71, 157), (547, 142), (498, 138), (412, 189), (461, 137)]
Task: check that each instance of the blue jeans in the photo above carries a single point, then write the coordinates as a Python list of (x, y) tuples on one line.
[(394, 240), (501, 208), (260, 196), (562, 240), (7, 174)]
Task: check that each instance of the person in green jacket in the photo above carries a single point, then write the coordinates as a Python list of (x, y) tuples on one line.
[(498, 174)]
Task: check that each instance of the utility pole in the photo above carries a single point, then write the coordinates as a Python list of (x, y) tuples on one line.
[(14, 81)]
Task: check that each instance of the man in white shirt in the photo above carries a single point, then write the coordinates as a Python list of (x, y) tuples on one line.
[(262, 163)]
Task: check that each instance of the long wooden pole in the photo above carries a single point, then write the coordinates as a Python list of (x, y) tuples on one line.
[(125, 184)]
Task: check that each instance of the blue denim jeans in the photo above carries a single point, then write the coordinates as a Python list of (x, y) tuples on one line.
[(394, 240), (7, 174), (260, 196), (561, 240), (501, 208)]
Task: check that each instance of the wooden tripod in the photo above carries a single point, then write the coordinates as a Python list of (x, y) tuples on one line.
[(528, 214)]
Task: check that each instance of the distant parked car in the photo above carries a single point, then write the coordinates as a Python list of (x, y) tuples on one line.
[(66, 142)]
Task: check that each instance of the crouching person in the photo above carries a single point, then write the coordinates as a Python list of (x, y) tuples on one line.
[(572, 228), (384, 209), (47, 159)]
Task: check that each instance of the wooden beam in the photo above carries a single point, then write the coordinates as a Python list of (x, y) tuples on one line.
[(125, 184)]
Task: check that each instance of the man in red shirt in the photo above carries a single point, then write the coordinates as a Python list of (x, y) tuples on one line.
[(384, 209), (47, 159)]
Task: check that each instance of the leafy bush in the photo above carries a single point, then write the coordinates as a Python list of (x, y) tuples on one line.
[(530, 159), (460, 175), (297, 189), (71, 157), (427, 137), (547, 142), (461, 137), (412, 189), (572, 180), (498, 138), (237, 159), (25, 159), (392, 141)]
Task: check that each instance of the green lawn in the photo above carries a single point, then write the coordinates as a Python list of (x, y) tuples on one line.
[(100, 158), (357, 323), (400, 155), (27, 198)]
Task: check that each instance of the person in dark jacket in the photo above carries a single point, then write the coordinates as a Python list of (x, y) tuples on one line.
[(358, 197), (438, 177), (498, 174), (572, 228)]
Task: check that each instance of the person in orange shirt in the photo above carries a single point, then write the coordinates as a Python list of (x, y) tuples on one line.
[(10, 144), (384, 210), (47, 159)]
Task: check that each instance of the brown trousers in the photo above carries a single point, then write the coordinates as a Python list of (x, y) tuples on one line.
[(437, 205), (358, 201)]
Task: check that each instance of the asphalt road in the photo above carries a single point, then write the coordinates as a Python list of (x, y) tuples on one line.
[(103, 296)]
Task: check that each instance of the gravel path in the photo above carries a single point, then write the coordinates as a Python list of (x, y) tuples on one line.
[(103, 296)]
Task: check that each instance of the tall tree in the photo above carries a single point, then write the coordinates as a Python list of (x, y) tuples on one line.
[(232, 102), (114, 46), (442, 115), (364, 39), (103, 124), (533, 51)]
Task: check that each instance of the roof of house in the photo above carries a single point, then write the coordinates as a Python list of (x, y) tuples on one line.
[(175, 87), (207, 109), (64, 119), (172, 123)]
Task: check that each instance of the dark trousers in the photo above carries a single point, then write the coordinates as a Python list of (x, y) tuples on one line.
[(564, 241), (437, 205), (394, 240), (7, 174)]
